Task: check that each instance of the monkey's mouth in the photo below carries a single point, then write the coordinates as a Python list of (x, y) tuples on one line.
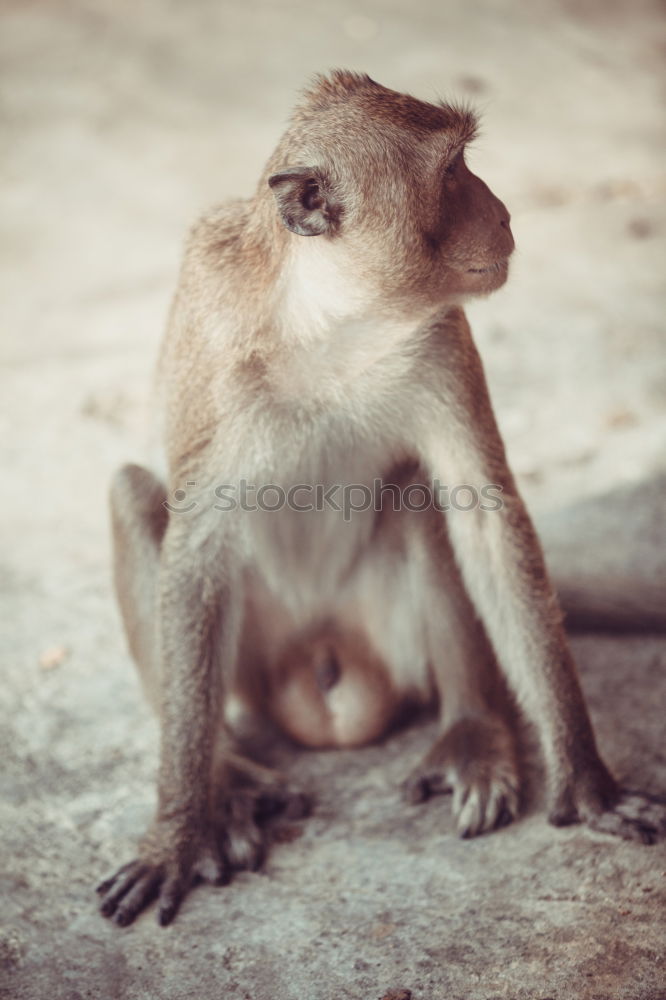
[(499, 265)]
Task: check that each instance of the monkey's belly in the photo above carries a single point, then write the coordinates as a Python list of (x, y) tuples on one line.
[(305, 557)]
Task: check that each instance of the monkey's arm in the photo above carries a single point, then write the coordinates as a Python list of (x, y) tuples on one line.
[(504, 572), (196, 633)]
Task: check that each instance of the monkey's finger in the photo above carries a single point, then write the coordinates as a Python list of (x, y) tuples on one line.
[(502, 806), (170, 898), (138, 897), (416, 789), (471, 817), (420, 786), (121, 885), (505, 816), (494, 806), (108, 882)]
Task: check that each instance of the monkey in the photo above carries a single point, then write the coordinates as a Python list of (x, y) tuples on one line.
[(318, 337)]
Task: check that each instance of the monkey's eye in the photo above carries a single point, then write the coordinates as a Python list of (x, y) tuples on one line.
[(452, 165)]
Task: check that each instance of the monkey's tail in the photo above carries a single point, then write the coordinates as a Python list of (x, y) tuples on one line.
[(612, 605), (607, 557)]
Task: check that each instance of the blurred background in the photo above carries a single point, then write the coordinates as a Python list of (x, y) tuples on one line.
[(121, 121)]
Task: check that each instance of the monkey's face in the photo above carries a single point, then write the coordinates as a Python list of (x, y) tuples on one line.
[(452, 239), (471, 241), (416, 236)]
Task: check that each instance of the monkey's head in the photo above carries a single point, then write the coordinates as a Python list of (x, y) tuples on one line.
[(379, 179)]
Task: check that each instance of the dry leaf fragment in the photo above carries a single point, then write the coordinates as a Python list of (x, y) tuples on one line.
[(52, 657)]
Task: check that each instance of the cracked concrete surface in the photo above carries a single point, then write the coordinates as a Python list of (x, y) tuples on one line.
[(120, 122)]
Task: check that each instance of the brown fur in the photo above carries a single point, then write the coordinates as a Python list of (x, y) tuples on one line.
[(317, 336)]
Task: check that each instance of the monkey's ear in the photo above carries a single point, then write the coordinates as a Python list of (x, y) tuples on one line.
[(305, 202)]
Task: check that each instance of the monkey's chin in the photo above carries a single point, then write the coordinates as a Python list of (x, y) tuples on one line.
[(483, 280)]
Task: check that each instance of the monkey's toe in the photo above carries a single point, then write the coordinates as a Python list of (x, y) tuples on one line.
[(282, 802), (214, 868), (245, 818), (245, 845)]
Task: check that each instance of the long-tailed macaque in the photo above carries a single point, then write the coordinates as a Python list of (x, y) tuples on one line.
[(317, 342)]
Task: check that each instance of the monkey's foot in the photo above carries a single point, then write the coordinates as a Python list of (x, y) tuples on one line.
[(609, 809), (245, 816), (476, 760)]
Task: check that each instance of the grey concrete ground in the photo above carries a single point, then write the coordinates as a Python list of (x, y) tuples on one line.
[(120, 121)]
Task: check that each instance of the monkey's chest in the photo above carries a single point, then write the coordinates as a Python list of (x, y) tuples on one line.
[(315, 502)]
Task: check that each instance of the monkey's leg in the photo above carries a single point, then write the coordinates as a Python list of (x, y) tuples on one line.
[(503, 569), (475, 755), (138, 523)]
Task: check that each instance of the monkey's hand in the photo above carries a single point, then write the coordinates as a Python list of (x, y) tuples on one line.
[(173, 856), (594, 798), (476, 760)]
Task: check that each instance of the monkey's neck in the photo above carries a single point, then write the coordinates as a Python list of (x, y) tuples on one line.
[(309, 303), (316, 294)]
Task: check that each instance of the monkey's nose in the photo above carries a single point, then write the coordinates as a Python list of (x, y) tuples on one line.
[(327, 672), (505, 223)]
